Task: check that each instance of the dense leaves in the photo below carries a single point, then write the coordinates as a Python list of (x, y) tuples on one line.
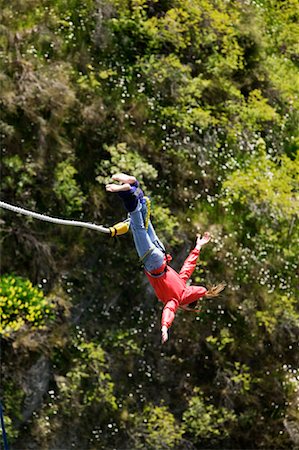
[(199, 99), (21, 305)]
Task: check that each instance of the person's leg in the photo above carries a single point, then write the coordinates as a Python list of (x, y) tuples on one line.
[(124, 178), (151, 254), (128, 193), (154, 238), (142, 240), (150, 230)]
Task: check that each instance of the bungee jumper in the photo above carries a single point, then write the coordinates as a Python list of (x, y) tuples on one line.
[(170, 286)]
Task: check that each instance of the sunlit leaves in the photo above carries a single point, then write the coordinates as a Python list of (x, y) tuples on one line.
[(206, 421), (66, 187), (266, 186), (276, 311), (166, 223), (84, 385), (124, 159), (156, 428), (22, 305), (225, 339), (88, 366), (178, 93), (258, 109), (123, 341)]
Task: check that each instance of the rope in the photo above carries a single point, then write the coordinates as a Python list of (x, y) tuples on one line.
[(74, 223), (3, 428), (148, 215)]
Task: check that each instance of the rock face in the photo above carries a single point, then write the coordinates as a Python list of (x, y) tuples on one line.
[(292, 428), (292, 423), (35, 383)]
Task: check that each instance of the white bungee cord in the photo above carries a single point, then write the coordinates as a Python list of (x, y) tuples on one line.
[(74, 223)]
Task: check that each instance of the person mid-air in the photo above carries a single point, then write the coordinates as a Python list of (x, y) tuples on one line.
[(170, 286)]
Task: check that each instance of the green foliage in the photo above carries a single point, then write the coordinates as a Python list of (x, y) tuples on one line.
[(199, 99), (156, 428), (83, 384), (12, 404), (67, 189), (225, 339), (257, 111), (22, 305), (18, 178), (124, 159), (266, 186), (123, 341), (165, 223), (204, 421), (276, 311), (87, 384), (241, 377)]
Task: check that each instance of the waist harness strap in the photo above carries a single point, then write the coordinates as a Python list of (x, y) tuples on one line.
[(157, 275)]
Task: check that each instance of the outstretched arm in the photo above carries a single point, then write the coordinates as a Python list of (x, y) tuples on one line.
[(200, 241), (168, 315), (190, 263)]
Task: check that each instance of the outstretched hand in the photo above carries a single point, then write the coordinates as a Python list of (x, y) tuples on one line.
[(164, 332), (202, 240)]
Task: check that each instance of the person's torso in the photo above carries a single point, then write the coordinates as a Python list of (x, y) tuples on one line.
[(168, 286)]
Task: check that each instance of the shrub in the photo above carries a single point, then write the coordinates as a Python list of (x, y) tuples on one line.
[(21, 305)]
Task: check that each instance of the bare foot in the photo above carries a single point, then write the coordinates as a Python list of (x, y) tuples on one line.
[(118, 187), (124, 178)]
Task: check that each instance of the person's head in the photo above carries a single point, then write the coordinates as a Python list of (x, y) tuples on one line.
[(214, 291)]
